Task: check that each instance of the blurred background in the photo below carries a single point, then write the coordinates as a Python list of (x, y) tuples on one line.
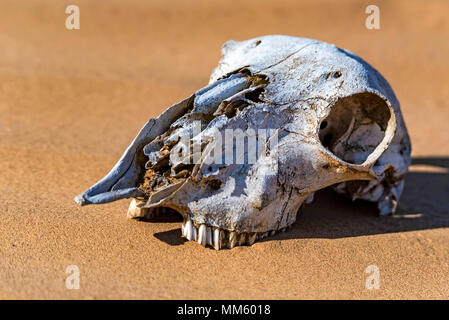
[(139, 57), (72, 100)]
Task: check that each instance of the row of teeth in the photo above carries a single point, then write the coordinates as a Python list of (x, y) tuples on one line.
[(203, 234), (219, 238)]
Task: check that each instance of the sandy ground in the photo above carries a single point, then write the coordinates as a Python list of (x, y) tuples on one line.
[(71, 101)]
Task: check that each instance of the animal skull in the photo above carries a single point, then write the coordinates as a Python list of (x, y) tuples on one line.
[(325, 118)]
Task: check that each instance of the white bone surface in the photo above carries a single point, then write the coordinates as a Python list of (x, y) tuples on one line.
[(309, 92)]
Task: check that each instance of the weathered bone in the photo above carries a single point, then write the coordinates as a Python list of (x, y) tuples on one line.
[(336, 120)]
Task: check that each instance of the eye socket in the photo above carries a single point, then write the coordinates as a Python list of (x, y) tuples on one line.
[(355, 126)]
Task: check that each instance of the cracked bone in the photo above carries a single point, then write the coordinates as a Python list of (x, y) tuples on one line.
[(335, 119)]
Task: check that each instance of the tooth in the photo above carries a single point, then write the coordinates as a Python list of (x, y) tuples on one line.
[(272, 233), (135, 211), (188, 229), (252, 238), (195, 233), (217, 242), (202, 235), (232, 239), (208, 236)]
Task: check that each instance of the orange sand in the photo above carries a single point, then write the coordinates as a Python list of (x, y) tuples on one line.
[(71, 101)]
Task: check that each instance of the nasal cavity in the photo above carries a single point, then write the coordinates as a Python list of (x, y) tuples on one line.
[(355, 126)]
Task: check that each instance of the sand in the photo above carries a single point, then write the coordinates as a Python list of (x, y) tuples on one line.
[(71, 101)]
